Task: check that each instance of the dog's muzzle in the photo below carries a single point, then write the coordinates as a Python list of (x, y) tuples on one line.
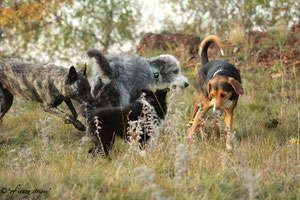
[(180, 82)]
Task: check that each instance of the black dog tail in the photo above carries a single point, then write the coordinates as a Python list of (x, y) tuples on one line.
[(204, 47), (101, 60)]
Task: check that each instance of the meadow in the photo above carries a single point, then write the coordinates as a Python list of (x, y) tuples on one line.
[(43, 158)]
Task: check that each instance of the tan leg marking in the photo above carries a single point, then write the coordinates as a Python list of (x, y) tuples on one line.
[(196, 120), (197, 100)]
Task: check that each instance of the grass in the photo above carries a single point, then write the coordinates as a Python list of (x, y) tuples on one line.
[(38, 151), (237, 34)]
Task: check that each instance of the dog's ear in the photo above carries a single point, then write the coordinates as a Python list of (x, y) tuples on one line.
[(208, 89), (72, 76), (163, 92), (83, 70), (158, 63), (236, 85)]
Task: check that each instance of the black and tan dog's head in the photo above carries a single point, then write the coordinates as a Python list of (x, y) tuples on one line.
[(222, 91)]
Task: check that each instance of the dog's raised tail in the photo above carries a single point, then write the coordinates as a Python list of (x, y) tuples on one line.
[(101, 61), (204, 47)]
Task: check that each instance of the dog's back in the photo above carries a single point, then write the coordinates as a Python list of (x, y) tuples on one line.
[(117, 78), (132, 73), (31, 81)]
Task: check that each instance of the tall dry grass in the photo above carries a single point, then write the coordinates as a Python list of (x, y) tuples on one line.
[(39, 152)]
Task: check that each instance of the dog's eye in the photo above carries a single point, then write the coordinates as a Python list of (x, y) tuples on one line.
[(176, 71), (213, 96), (223, 95)]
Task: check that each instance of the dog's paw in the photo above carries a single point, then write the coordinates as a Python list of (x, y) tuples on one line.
[(229, 146), (77, 124), (231, 140), (190, 123), (67, 121)]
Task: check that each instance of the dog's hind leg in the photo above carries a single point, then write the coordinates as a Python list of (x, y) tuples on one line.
[(68, 118), (2, 100), (6, 100), (2, 104)]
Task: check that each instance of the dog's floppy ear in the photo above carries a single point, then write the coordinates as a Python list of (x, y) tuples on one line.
[(208, 88), (163, 92), (72, 76), (158, 63), (83, 70), (236, 85)]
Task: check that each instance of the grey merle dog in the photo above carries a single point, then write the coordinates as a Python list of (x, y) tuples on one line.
[(45, 83), (118, 79)]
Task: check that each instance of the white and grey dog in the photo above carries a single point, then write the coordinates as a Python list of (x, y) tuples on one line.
[(117, 79)]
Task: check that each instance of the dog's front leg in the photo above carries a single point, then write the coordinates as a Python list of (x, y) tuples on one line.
[(195, 124), (228, 119), (68, 118), (205, 107), (197, 100), (228, 130), (71, 107)]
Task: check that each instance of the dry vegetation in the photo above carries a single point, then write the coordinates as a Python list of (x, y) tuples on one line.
[(38, 151)]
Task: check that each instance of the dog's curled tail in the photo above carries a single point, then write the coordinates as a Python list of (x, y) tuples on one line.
[(101, 60), (204, 47)]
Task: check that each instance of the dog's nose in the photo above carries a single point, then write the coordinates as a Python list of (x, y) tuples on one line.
[(186, 84), (217, 110)]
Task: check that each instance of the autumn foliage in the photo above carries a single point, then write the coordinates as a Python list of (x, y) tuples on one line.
[(21, 14)]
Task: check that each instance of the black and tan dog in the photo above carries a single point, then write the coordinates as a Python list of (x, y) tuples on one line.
[(218, 85), (44, 83)]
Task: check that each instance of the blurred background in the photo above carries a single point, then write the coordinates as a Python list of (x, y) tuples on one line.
[(61, 31)]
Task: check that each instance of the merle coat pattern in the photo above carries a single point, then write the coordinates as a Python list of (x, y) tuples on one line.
[(118, 79), (44, 83), (105, 123)]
